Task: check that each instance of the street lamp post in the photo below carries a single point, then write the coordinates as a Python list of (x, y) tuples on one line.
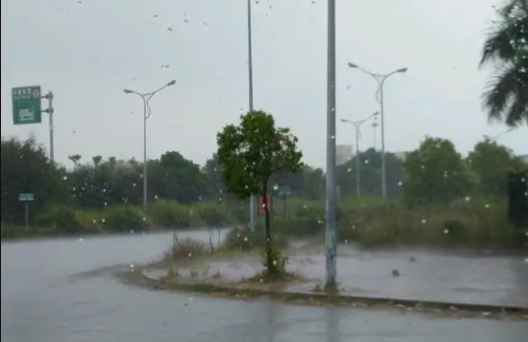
[(146, 114), (330, 239), (380, 79), (252, 199), (357, 126)]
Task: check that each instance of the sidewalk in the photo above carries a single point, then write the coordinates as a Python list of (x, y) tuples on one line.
[(414, 276)]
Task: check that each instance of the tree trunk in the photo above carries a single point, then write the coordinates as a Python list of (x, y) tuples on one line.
[(270, 267)]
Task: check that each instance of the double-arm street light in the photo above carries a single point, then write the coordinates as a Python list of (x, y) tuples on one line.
[(146, 114), (357, 126), (380, 79)]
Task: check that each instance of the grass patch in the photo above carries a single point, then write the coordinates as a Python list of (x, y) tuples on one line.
[(242, 239), (184, 251), (472, 223), (264, 277)]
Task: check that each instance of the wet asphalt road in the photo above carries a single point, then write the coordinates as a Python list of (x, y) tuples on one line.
[(66, 290)]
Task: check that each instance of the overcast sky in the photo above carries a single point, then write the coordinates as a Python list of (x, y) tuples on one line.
[(86, 52)]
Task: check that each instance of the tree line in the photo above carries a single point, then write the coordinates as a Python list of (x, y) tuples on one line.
[(435, 172)]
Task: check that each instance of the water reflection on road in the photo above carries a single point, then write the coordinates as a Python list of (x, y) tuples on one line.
[(65, 290)]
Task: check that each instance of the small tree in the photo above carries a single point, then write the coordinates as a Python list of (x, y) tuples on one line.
[(249, 154)]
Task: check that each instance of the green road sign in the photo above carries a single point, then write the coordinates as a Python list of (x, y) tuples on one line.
[(26, 105), (26, 197)]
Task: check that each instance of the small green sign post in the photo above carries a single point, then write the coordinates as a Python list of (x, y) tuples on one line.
[(27, 108), (26, 197)]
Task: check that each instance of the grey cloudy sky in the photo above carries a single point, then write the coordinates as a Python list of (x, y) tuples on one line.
[(87, 52)]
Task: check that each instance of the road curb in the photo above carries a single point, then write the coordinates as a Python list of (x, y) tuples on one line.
[(320, 297)]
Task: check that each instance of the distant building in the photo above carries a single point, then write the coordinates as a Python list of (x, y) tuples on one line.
[(343, 154)]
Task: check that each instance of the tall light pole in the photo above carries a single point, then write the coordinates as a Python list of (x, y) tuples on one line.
[(357, 126), (146, 114), (331, 245), (252, 199), (380, 79)]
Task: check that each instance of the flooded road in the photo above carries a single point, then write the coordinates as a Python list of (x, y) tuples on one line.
[(66, 290)]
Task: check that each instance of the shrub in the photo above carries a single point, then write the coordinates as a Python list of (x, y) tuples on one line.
[(274, 265), (304, 226), (169, 214), (213, 214), (121, 218), (239, 211), (243, 239), (472, 224), (10, 231), (185, 250), (454, 229), (62, 218)]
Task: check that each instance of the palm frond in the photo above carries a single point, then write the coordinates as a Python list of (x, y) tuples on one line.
[(506, 95), (506, 37)]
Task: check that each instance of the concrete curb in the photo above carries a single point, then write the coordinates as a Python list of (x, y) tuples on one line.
[(289, 296)]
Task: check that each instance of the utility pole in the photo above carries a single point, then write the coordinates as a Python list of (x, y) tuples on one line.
[(331, 244), (252, 199)]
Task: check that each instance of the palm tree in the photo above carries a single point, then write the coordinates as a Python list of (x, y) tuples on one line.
[(506, 46)]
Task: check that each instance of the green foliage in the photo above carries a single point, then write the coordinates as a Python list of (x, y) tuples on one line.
[(105, 196), (370, 175), (26, 168), (243, 239), (477, 223), (274, 263), (63, 219), (10, 231), (177, 178), (254, 150), (249, 154), (185, 250), (214, 215), (506, 46), (124, 218), (488, 163), (435, 173), (169, 214)]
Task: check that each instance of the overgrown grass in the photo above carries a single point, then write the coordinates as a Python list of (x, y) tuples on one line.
[(161, 214), (472, 223), (369, 222)]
